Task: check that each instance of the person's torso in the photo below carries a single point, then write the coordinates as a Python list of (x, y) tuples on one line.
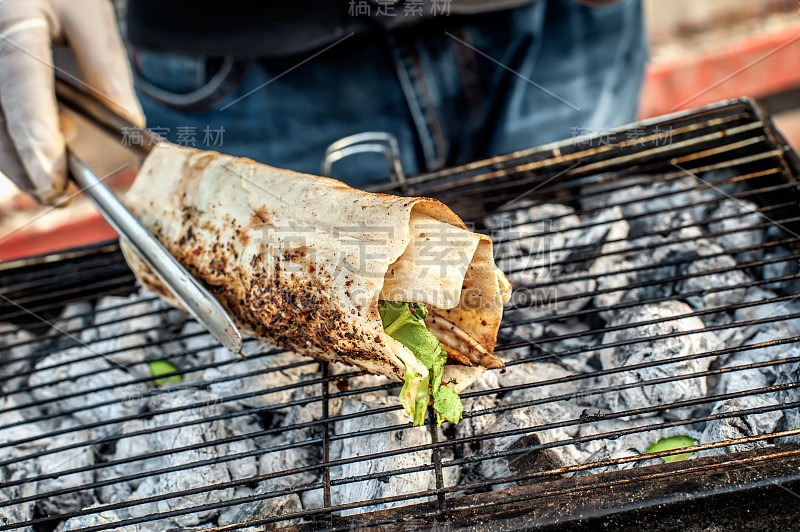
[(278, 29)]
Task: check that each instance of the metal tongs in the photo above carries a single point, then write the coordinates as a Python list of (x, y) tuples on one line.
[(191, 294)]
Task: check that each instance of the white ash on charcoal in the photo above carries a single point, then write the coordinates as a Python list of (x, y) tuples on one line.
[(267, 373), (196, 339), (532, 228), (739, 380), (203, 476), (569, 336), (279, 462), (128, 329), (106, 517), (127, 447), (255, 463), (524, 333), (609, 259), (603, 191), (475, 421), (642, 274), (388, 483), (555, 281), (632, 277), (568, 343), (646, 349), (370, 388), (78, 458), (629, 443), (744, 379), (746, 425), (781, 264), (536, 460), (77, 378), (348, 380), (656, 232), (737, 222), (770, 312), (22, 427), (228, 515), (764, 333), (269, 508), (19, 512), (778, 315), (247, 466), (17, 347), (710, 258), (195, 347), (572, 394), (512, 214), (552, 403), (75, 317), (651, 206), (789, 374), (535, 308), (527, 251)]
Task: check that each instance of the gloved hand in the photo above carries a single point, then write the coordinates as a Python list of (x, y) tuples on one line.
[(31, 144)]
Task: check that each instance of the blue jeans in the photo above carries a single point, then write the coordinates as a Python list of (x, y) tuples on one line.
[(482, 86)]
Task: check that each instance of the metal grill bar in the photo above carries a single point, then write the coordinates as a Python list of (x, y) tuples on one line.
[(576, 171), (666, 177), (651, 213), (472, 506), (443, 491), (435, 445), (317, 381), (578, 156), (491, 456), (539, 342)]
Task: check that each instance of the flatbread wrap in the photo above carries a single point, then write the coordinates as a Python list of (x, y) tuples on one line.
[(395, 285)]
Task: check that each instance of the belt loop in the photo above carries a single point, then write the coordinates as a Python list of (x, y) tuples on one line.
[(473, 92)]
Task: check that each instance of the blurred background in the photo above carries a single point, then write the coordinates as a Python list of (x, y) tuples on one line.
[(701, 51)]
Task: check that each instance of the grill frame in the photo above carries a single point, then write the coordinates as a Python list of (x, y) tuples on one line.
[(711, 477)]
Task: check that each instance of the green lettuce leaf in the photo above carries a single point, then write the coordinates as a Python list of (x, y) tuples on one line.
[(672, 443), (437, 371), (408, 393), (160, 367), (448, 405), (423, 400), (403, 322)]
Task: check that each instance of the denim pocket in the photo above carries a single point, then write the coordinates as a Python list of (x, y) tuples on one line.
[(174, 74), (179, 81)]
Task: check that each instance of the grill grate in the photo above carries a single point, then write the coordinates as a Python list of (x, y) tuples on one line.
[(87, 435)]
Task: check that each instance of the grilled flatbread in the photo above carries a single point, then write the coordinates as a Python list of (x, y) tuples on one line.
[(302, 261)]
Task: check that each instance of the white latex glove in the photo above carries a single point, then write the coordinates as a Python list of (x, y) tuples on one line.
[(31, 144)]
